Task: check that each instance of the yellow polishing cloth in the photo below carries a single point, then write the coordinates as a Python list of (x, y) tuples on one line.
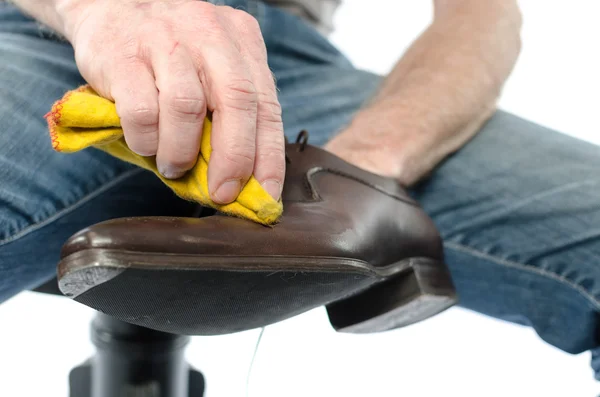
[(82, 119)]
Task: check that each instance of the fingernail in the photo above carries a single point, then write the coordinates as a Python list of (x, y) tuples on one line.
[(171, 172), (228, 191), (273, 188)]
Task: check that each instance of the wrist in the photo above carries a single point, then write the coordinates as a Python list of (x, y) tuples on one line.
[(400, 142), (379, 145), (393, 127)]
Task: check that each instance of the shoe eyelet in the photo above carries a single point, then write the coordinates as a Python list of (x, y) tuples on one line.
[(302, 139)]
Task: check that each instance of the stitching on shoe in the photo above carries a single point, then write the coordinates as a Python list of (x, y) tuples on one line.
[(310, 188), (316, 170)]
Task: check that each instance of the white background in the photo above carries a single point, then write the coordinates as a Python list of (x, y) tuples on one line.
[(458, 353)]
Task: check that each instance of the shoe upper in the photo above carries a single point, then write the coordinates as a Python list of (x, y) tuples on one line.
[(331, 209)]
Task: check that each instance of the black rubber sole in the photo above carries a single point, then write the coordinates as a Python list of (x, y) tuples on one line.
[(203, 295)]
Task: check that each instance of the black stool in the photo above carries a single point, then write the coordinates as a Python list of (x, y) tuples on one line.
[(132, 361)]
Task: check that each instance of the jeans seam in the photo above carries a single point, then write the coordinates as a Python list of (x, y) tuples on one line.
[(518, 204), (507, 263), (57, 215)]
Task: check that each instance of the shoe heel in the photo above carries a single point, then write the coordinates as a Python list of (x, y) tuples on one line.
[(417, 293)]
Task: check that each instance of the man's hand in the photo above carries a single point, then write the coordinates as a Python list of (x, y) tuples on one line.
[(164, 63)]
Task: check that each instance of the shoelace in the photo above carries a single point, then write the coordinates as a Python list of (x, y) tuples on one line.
[(302, 140)]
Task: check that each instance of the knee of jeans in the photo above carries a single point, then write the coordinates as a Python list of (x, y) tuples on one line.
[(15, 215), (525, 296)]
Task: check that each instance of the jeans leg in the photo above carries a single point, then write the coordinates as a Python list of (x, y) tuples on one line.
[(47, 196), (519, 213)]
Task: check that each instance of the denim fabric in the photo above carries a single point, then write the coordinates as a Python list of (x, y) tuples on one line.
[(517, 207)]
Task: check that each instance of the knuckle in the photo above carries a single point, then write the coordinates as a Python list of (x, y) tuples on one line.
[(269, 111), (272, 143), (145, 147), (274, 157), (205, 8), (129, 49), (186, 106), (212, 29), (240, 94), (226, 10), (240, 157), (244, 21), (244, 87), (240, 162), (142, 115), (208, 18), (249, 29), (182, 159)]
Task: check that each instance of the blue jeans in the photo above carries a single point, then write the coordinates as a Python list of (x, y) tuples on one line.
[(517, 207)]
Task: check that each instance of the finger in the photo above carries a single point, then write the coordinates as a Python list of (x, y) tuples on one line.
[(269, 164), (232, 98), (136, 100), (182, 110)]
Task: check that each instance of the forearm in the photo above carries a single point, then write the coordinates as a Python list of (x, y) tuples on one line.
[(52, 13), (446, 85)]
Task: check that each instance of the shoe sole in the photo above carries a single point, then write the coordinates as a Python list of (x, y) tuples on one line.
[(422, 290), (204, 295)]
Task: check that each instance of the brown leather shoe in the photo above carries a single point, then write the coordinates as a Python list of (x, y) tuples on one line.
[(349, 239)]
